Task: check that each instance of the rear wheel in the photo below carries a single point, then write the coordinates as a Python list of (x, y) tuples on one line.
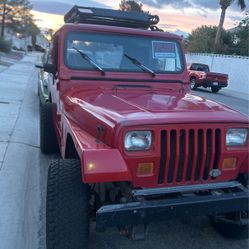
[(215, 89), (48, 140), (233, 225), (193, 84), (67, 206)]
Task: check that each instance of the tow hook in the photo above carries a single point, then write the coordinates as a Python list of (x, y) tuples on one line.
[(136, 232)]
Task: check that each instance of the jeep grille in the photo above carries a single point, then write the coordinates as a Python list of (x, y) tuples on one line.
[(188, 155)]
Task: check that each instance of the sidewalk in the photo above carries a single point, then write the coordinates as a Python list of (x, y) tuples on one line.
[(19, 156)]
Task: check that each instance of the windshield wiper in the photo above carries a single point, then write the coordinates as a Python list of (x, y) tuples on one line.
[(140, 65), (88, 59)]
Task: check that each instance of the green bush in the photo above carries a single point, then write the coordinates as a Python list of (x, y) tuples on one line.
[(5, 46)]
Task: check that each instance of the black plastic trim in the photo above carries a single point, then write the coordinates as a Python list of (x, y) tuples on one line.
[(125, 80), (154, 210)]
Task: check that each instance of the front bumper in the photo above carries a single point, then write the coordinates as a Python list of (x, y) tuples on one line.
[(195, 200)]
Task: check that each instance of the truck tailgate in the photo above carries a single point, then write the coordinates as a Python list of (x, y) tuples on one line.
[(219, 77)]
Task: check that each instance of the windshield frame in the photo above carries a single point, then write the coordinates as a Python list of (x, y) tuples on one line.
[(166, 39)]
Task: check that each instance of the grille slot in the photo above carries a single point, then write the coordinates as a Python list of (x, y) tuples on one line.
[(217, 149), (191, 154), (163, 156), (188, 155), (208, 157), (199, 154), (172, 156), (181, 155)]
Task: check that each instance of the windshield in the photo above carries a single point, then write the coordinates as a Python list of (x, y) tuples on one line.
[(200, 67), (110, 53)]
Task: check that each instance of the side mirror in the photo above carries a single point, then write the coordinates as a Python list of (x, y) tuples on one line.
[(47, 67), (39, 65)]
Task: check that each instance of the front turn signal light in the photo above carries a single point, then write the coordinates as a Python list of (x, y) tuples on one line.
[(145, 169), (229, 163)]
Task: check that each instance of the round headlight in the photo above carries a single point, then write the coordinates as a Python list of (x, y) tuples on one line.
[(236, 136), (138, 140)]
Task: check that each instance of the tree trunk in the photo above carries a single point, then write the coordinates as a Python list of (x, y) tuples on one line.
[(33, 42), (3, 18), (220, 27)]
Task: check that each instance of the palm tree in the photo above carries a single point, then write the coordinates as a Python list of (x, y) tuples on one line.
[(224, 4)]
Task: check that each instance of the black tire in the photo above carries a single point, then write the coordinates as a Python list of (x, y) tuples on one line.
[(67, 217), (38, 91), (244, 179), (215, 89), (229, 229), (193, 85), (48, 140)]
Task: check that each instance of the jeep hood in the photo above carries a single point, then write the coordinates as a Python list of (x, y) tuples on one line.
[(151, 107)]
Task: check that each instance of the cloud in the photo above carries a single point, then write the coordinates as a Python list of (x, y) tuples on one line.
[(168, 26), (198, 4), (209, 4), (174, 3), (235, 18), (60, 7)]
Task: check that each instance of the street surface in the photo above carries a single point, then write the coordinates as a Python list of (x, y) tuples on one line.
[(226, 97), (23, 171)]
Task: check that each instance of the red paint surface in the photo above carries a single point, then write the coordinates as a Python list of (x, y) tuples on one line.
[(82, 105)]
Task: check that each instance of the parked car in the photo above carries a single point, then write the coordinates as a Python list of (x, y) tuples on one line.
[(43, 77), (39, 48), (200, 76), (136, 146)]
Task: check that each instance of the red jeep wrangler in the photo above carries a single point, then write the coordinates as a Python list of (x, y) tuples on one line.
[(137, 147), (200, 75)]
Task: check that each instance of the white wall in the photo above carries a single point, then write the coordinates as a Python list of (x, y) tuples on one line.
[(237, 68)]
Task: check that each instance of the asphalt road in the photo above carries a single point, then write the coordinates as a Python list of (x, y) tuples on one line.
[(225, 97), (23, 173)]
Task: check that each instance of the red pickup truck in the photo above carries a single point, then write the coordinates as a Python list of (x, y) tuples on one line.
[(200, 75), (136, 146)]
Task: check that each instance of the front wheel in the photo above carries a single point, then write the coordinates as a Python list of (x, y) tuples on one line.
[(233, 225), (48, 140), (193, 85), (67, 206), (215, 89)]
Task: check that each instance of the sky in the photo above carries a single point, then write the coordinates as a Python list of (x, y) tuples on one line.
[(175, 15)]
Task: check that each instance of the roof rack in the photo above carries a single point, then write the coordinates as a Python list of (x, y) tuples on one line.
[(119, 18)]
